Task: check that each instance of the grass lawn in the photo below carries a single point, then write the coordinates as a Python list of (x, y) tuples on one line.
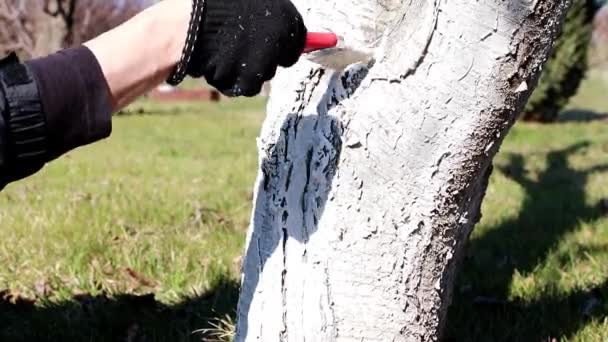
[(537, 264), (137, 238), (159, 208)]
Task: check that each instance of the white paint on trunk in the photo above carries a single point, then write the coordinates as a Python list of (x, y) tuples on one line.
[(371, 179)]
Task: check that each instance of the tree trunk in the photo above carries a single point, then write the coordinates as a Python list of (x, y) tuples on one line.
[(371, 179)]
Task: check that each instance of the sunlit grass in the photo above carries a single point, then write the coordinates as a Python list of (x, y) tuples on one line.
[(138, 238)]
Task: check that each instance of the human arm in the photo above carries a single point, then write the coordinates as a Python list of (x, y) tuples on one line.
[(73, 92), (240, 43), (66, 99), (140, 54)]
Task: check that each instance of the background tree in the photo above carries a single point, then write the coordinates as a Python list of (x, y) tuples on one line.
[(566, 67), (599, 42), (17, 27), (86, 19), (371, 179), (64, 10), (93, 17), (34, 28)]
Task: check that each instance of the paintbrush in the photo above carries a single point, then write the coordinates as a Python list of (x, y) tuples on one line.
[(329, 50)]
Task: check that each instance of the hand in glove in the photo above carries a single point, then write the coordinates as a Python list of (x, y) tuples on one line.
[(240, 43)]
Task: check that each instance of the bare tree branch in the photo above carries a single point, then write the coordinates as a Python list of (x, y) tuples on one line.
[(64, 9), (17, 29), (93, 17), (34, 27)]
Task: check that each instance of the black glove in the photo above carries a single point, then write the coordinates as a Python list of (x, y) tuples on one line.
[(241, 42)]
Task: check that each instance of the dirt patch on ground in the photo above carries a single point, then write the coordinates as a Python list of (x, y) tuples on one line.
[(169, 94)]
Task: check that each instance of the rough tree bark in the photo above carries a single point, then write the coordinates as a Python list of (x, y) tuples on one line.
[(371, 179)]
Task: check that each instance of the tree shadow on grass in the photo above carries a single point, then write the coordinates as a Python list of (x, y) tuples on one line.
[(554, 205), (548, 318), (581, 115), (121, 318)]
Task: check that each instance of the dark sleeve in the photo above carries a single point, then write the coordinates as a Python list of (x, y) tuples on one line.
[(50, 106)]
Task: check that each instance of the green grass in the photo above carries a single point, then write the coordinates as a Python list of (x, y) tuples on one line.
[(536, 267), (539, 256), (137, 238), (161, 207), (591, 96)]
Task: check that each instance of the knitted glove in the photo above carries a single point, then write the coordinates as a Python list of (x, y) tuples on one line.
[(241, 43)]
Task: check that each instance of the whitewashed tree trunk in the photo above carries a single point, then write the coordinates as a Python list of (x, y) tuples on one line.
[(371, 179)]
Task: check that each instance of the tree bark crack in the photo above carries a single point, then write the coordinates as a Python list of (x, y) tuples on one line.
[(412, 70), (330, 303), (283, 336), (303, 203)]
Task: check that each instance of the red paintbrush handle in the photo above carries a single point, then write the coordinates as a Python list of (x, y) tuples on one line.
[(320, 40)]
